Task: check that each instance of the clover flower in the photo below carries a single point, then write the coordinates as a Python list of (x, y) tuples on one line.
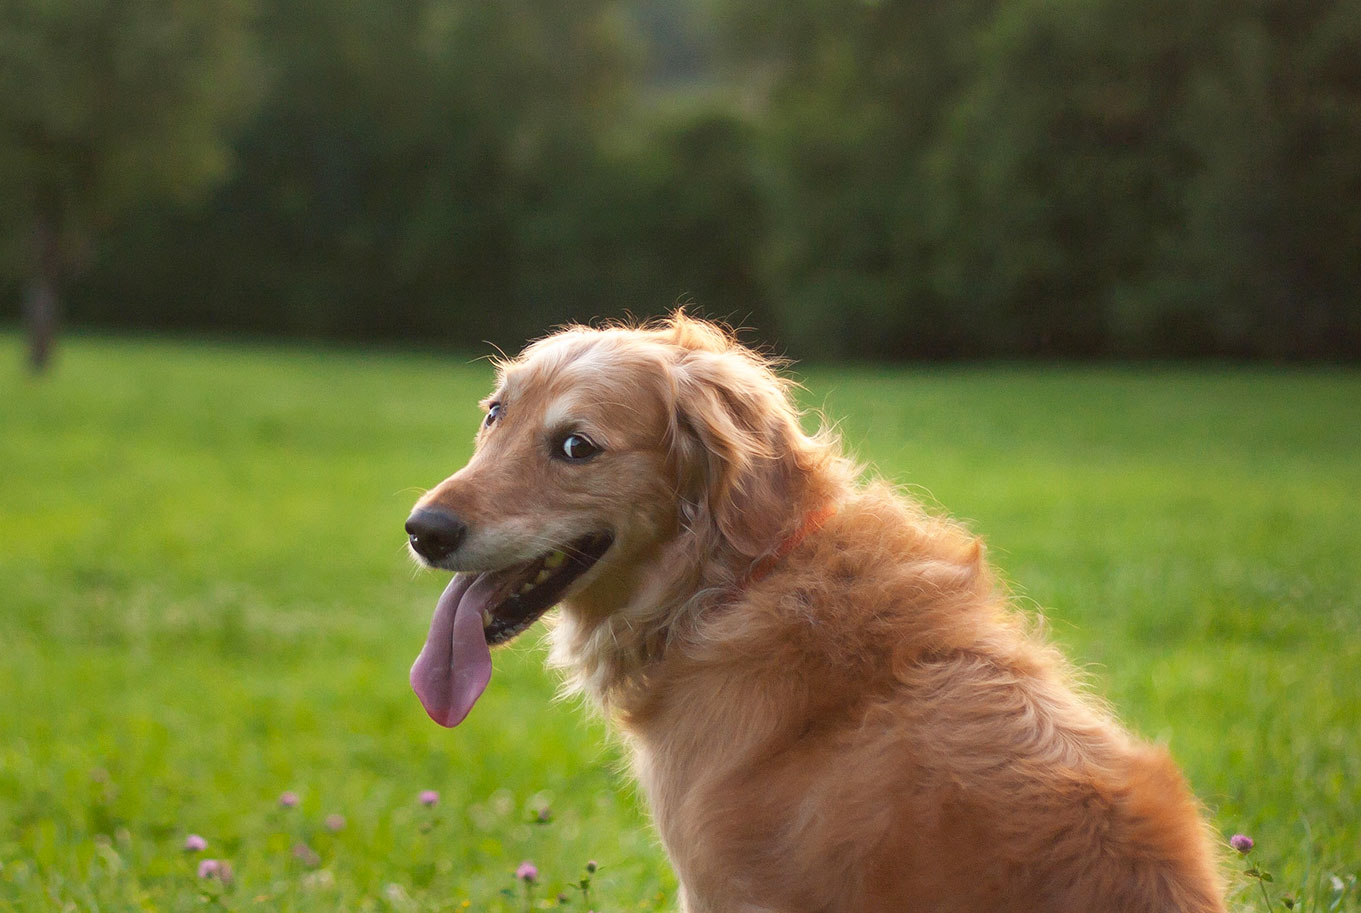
[(195, 844), (220, 869), (1242, 843), (306, 855)]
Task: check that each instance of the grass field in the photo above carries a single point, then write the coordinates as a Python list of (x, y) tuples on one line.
[(206, 603)]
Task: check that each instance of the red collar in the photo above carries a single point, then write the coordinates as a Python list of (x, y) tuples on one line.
[(812, 522)]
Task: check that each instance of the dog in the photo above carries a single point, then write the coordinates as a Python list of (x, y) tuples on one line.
[(829, 702)]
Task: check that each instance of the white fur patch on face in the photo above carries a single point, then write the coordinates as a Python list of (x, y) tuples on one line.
[(561, 413), (510, 541)]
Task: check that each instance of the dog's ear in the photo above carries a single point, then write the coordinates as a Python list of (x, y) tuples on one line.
[(737, 448)]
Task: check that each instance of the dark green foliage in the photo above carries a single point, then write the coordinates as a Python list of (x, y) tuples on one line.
[(1269, 262), (385, 181), (104, 104), (1068, 176), (108, 102), (873, 179)]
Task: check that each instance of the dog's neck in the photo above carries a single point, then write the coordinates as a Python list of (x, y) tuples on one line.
[(812, 522), (609, 644)]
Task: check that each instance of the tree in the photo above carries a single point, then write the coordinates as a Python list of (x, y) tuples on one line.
[(1268, 261), (104, 104), (421, 169), (1059, 169), (1160, 177), (1061, 176)]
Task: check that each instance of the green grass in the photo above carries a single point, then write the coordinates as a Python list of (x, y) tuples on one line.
[(206, 602)]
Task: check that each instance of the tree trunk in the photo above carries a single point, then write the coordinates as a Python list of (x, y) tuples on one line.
[(42, 297)]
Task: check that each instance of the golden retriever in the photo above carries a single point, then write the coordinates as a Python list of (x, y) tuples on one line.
[(830, 704)]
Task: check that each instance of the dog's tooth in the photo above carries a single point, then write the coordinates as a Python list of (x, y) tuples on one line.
[(555, 560), (526, 588), (486, 618), (543, 575)]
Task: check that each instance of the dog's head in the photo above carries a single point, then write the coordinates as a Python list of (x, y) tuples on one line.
[(616, 465)]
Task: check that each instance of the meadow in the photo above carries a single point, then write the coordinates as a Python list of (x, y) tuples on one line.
[(207, 616)]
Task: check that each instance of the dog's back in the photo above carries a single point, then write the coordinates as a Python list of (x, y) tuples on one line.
[(870, 728)]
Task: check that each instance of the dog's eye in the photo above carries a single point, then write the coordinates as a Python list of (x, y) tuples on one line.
[(576, 447), (493, 413)]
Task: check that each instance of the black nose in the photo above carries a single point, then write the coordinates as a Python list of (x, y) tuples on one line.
[(435, 534)]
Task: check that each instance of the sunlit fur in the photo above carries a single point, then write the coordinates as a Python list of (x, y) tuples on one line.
[(870, 726)]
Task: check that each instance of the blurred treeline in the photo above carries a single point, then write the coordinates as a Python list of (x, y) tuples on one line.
[(867, 178)]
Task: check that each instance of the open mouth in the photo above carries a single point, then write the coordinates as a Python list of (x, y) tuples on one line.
[(526, 591), (478, 611)]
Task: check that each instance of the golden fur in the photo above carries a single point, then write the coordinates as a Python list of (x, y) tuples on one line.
[(869, 726)]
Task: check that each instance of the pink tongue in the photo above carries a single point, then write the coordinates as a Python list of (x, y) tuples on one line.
[(455, 665)]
